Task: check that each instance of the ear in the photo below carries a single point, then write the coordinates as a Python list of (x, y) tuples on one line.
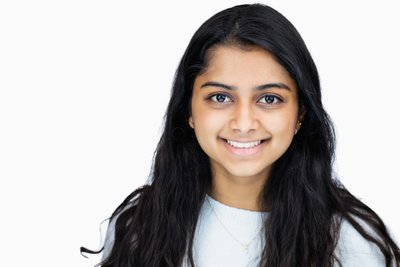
[(300, 119), (191, 122), (302, 113)]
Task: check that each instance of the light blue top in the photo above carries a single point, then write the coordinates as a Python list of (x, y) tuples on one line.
[(223, 232)]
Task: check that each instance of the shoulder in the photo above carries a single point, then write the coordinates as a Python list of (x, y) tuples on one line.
[(354, 250)]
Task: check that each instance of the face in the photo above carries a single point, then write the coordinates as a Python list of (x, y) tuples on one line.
[(244, 111)]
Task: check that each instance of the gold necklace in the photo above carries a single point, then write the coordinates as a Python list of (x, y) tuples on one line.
[(245, 246)]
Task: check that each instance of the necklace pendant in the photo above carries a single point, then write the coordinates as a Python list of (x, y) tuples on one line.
[(246, 249)]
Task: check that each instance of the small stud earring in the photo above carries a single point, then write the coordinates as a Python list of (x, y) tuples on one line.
[(297, 128)]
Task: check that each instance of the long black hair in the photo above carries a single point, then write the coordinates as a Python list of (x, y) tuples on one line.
[(155, 225)]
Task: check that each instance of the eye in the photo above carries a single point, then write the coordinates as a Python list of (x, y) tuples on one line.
[(220, 98), (270, 99)]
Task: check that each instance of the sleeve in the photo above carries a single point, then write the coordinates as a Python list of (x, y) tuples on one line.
[(353, 250)]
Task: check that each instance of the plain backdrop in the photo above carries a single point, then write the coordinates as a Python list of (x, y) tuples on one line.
[(85, 84)]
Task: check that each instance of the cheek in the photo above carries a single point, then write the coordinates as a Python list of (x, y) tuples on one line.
[(204, 117), (209, 122), (207, 129), (281, 126)]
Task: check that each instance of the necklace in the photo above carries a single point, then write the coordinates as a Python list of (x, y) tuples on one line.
[(245, 246)]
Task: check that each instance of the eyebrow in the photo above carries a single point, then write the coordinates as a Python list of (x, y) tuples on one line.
[(259, 87)]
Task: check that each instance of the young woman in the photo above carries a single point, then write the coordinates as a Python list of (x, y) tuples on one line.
[(242, 174)]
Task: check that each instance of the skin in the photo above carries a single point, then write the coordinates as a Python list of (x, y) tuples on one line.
[(227, 105)]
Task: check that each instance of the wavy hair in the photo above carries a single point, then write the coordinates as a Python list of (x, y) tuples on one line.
[(155, 224)]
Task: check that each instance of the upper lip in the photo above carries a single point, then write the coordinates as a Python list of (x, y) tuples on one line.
[(243, 141)]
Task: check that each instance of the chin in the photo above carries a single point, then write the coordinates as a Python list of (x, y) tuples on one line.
[(245, 172)]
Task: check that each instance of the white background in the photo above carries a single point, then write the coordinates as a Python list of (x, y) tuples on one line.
[(84, 86)]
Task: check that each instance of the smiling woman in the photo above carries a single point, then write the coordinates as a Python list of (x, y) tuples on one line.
[(242, 174), (244, 115)]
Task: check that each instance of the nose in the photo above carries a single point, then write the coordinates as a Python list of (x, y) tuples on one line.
[(244, 118)]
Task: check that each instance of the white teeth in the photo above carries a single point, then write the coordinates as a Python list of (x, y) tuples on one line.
[(243, 145)]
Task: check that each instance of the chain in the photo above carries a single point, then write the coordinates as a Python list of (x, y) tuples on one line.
[(244, 245)]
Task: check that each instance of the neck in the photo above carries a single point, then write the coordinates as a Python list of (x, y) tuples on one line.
[(238, 192)]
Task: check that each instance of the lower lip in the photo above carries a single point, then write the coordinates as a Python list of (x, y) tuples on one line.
[(243, 151)]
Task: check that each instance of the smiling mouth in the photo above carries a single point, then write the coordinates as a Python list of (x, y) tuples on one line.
[(244, 145)]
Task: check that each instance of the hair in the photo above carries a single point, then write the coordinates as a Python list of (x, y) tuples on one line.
[(155, 224)]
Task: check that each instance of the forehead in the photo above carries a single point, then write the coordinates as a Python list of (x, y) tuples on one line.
[(238, 66)]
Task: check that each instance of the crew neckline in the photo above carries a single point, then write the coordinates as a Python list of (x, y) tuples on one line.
[(221, 206)]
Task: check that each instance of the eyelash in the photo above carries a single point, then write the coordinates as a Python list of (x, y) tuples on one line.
[(219, 94)]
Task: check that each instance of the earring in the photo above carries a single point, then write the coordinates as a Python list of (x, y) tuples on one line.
[(297, 128)]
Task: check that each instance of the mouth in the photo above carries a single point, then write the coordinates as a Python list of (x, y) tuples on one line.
[(244, 149), (244, 145)]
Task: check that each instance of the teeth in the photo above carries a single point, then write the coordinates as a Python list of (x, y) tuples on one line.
[(243, 145)]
